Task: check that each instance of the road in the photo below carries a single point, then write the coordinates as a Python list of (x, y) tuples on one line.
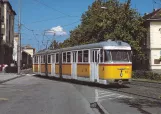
[(32, 95), (36, 95)]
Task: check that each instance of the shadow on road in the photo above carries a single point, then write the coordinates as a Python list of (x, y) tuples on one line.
[(83, 82), (141, 104)]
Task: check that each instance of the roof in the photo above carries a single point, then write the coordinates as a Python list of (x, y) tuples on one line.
[(155, 15), (108, 43), (7, 2), (27, 47)]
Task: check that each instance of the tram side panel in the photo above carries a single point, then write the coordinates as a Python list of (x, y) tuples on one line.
[(115, 72), (83, 70), (66, 69)]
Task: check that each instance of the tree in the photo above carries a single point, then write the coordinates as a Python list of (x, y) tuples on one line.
[(117, 22), (54, 45)]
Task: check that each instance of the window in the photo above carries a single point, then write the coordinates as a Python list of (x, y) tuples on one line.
[(101, 55), (41, 59), (68, 57), (120, 55), (107, 56), (53, 58), (57, 58), (79, 56), (35, 59), (74, 56), (49, 58), (64, 57), (85, 56), (96, 58), (44, 59)]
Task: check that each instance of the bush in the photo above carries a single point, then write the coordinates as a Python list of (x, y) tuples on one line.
[(146, 75)]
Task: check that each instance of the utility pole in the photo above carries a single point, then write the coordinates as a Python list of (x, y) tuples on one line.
[(19, 40)]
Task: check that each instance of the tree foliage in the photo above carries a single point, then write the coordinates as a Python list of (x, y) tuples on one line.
[(109, 20)]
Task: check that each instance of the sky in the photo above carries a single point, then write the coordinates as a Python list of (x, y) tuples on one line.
[(46, 20)]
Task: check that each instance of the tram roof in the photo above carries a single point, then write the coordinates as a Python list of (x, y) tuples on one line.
[(106, 44)]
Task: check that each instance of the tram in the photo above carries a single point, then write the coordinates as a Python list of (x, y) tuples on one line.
[(106, 62)]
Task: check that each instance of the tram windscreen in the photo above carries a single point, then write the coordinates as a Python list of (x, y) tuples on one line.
[(121, 55), (118, 55)]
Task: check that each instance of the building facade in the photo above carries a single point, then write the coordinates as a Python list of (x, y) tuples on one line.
[(153, 42), (7, 32)]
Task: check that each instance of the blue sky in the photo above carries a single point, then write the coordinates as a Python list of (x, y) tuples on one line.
[(59, 15)]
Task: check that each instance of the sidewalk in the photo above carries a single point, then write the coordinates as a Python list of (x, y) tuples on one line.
[(4, 77)]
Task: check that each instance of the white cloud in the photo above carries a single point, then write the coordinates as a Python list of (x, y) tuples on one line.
[(57, 31)]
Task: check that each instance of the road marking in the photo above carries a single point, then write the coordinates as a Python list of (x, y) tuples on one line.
[(3, 99), (108, 95), (101, 95)]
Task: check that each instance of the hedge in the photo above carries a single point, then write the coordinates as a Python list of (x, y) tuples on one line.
[(146, 75)]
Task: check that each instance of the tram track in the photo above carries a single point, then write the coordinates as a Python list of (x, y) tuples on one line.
[(136, 94), (146, 84)]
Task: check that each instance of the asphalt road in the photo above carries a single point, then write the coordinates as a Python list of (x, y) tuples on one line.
[(35, 95), (32, 95)]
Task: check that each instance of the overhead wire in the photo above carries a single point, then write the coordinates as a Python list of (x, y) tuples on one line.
[(51, 7)]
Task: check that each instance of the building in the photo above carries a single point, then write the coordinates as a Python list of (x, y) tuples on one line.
[(6, 32), (27, 55), (26, 52), (16, 37), (28, 49), (153, 41)]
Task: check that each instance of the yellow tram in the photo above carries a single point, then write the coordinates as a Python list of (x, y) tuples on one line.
[(105, 62)]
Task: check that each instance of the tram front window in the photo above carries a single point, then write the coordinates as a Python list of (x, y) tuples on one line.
[(121, 55)]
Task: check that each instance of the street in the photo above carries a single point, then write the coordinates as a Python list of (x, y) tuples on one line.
[(31, 95), (36, 95)]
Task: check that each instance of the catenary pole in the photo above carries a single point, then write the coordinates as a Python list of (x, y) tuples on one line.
[(19, 39)]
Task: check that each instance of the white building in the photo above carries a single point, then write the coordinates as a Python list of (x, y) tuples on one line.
[(153, 23)]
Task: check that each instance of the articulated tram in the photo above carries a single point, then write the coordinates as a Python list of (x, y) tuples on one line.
[(106, 62)]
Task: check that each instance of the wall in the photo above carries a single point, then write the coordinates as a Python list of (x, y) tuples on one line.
[(30, 51), (155, 44)]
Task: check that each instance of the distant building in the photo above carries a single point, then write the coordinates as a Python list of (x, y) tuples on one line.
[(16, 37), (7, 15), (29, 50), (153, 41), (26, 52)]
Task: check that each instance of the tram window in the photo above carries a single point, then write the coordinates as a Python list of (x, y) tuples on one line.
[(101, 55), (85, 56), (68, 57), (49, 58), (119, 55), (107, 56), (35, 59), (92, 56), (96, 58), (57, 58), (130, 55), (41, 59), (44, 59), (64, 57), (74, 56), (53, 59), (79, 56)]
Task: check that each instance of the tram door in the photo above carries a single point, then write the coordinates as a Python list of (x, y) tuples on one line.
[(39, 64), (74, 64), (53, 64), (95, 64)]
